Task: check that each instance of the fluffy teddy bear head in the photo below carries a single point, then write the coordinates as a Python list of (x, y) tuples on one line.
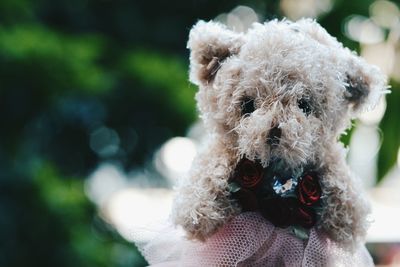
[(283, 90)]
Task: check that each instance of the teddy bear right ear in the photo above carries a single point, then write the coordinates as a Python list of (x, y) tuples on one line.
[(210, 43)]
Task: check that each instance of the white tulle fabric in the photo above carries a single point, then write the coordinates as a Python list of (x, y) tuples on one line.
[(250, 240)]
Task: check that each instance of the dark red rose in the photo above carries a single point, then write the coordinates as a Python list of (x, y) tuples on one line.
[(279, 211), (309, 190), (248, 174), (247, 199)]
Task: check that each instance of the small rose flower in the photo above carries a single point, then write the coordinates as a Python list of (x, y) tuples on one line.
[(309, 190), (248, 174)]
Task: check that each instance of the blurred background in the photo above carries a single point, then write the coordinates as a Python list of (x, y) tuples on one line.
[(98, 119)]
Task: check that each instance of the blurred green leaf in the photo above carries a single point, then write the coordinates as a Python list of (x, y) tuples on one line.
[(65, 197), (390, 126), (68, 63), (346, 136), (12, 11), (167, 75)]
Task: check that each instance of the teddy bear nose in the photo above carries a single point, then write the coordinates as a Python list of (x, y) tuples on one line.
[(274, 136)]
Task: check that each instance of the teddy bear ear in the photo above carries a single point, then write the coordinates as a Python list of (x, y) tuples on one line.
[(364, 85), (357, 91), (210, 43)]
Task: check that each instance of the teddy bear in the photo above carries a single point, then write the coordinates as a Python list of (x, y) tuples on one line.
[(275, 101)]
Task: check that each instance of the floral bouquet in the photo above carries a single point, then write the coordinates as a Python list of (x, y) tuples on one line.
[(285, 198)]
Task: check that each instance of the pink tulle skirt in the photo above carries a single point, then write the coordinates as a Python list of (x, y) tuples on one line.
[(250, 240)]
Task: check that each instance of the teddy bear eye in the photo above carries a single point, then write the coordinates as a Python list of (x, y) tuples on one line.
[(248, 106), (305, 106)]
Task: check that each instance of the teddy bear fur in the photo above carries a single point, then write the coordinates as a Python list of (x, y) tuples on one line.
[(278, 65)]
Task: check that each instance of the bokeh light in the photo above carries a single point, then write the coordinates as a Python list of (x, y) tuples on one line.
[(104, 141), (239, 19), (384, 220), (362, 158), (295, 10), (178, 154), (363, 30), (382, 55), (385, 13), (103, 182), (375, 115), (138, 214)]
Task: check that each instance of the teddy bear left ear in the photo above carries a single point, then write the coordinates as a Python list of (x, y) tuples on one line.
[(364, 85), (210, 43), (357, 90)]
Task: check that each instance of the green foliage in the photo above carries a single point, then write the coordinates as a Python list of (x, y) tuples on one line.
[(65, 198), (346, 137), (12, 11), (167, 75), (63, 195), (68, 63), (390, 127), (56, 87)]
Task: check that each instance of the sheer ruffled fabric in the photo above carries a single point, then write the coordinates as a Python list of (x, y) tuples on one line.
[(250, 240)]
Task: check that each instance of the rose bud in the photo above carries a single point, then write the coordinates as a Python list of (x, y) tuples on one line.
[(308, 190), (248, 174)]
